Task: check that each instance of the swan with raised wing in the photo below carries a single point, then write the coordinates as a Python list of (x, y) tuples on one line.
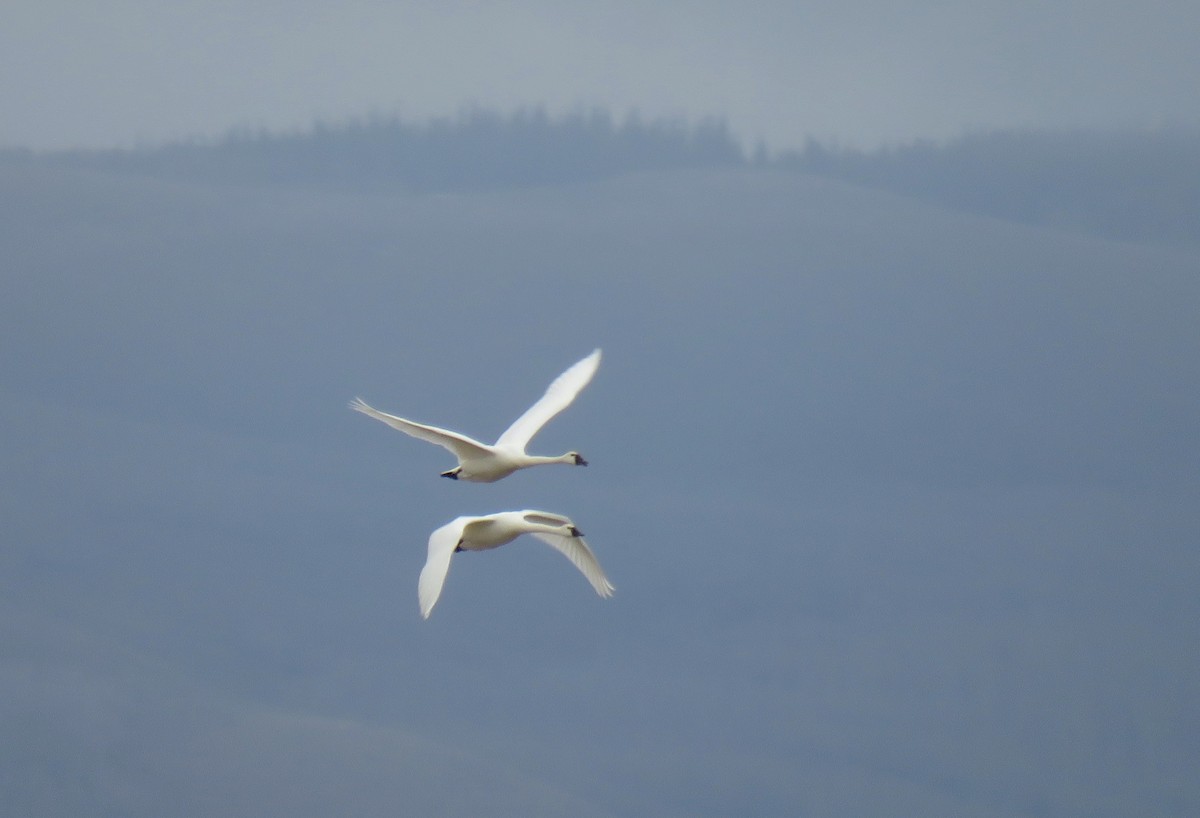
[(478, 462), (494, 530)]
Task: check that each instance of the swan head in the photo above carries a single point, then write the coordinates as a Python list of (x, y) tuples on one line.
[(575, 532), (576, 458)]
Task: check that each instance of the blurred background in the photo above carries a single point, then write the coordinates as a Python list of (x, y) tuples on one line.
[(894, 446)]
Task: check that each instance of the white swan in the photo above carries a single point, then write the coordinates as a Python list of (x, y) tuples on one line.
[(495, 530), (481, 463)]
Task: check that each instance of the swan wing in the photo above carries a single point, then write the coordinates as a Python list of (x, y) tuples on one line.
[(545, 518), (442, 543), (463, 447), (577, 551), (558, 396)]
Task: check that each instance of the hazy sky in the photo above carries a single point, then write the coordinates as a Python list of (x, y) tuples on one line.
[(861, 72)]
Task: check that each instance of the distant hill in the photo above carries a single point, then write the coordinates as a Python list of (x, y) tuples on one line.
[(900, 503), (478, 150), (1133, 186), (1129, 186)]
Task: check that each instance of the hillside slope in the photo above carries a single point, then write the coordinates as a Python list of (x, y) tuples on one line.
[(899, 502)]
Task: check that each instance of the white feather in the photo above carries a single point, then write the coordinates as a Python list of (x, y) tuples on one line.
[(489, 531), (481, 463)]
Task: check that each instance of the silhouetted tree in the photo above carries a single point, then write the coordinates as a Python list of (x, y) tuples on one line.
[(478, 149), (1126, 185)]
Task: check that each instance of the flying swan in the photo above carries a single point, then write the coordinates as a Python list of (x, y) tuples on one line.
[(481, 463), (495, 530)]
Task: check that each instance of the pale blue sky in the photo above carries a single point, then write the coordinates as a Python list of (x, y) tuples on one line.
[(862, 73)]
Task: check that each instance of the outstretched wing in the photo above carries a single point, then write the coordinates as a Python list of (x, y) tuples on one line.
[(577, 551), (442, 543), (545, 518), (558, 397), (463, 447)]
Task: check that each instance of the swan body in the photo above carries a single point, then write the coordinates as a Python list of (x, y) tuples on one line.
[(481, 463), (494, 530)]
